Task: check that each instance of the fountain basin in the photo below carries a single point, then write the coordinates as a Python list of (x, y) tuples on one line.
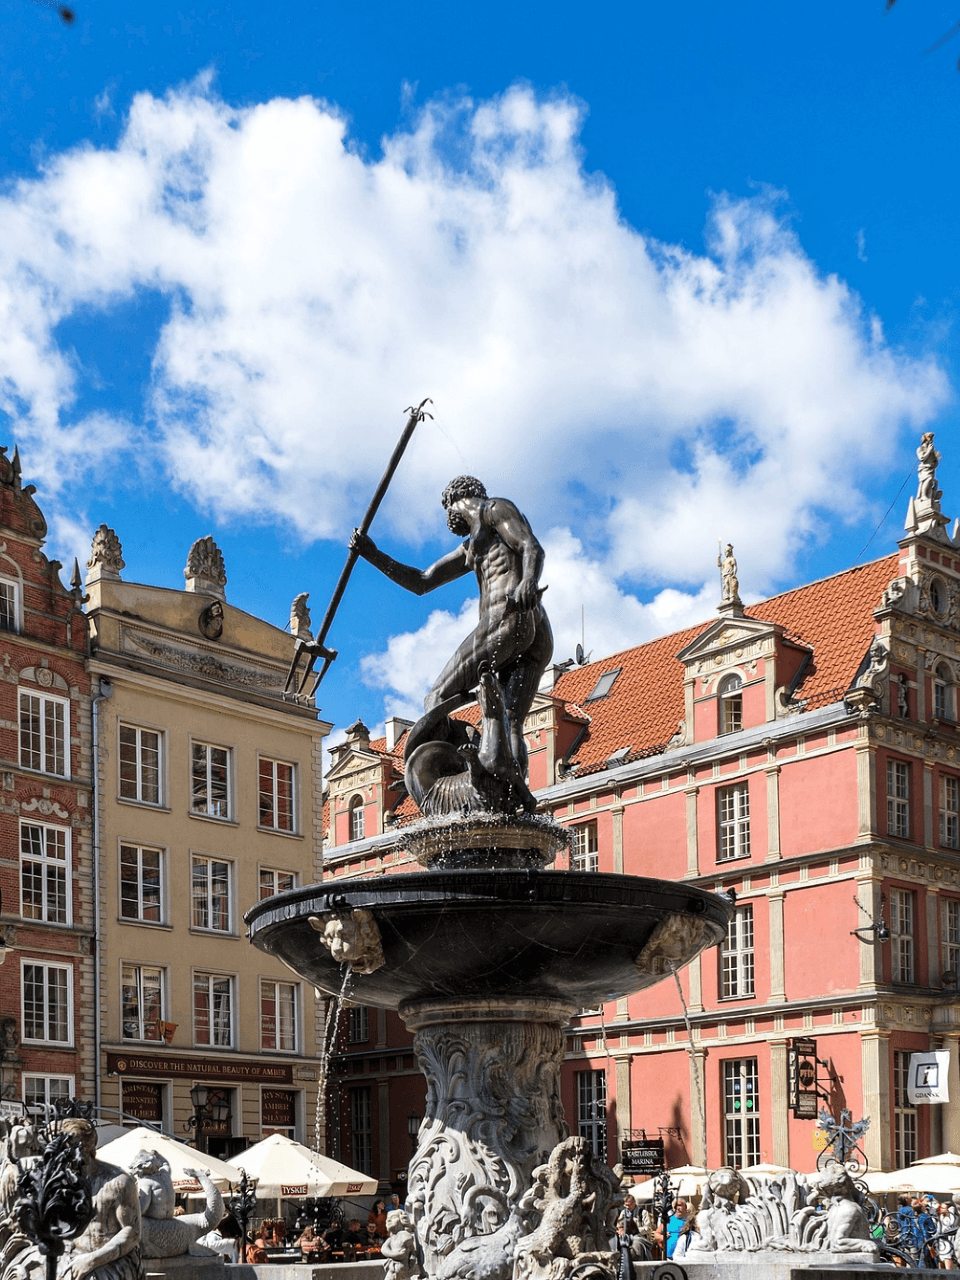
[(580, 937)]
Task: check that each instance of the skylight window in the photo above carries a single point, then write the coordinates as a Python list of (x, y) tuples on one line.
[(617, 757), (603, 685)]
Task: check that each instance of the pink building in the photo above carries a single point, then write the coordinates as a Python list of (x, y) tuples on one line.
[(802, 752)]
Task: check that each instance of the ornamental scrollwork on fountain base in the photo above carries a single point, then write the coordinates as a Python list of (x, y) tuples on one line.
[(496, 1187)]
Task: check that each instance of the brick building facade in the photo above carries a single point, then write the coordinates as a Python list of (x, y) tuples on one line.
[(804, 753), (46, 855)]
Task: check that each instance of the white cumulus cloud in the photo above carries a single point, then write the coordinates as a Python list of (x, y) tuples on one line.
[(647, 397)]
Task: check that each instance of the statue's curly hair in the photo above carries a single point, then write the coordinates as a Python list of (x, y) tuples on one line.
[(462, 487)]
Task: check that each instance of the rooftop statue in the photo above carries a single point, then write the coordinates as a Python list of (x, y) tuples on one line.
[(923, 513), (504, 656), (729, 582)]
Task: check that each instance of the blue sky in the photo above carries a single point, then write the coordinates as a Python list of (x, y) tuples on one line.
[(671, 273)]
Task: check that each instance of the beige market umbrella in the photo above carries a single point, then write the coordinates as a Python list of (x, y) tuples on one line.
[(287, 1170), (177, 1154), (689, 1179)]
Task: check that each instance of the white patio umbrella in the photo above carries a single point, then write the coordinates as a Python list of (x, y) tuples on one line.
[(939, 1179), (177, 1154), (689, 1179), (287, 1170), (766, 1170)]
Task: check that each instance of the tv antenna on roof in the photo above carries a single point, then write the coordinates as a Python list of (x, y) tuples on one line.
[(582, 658)]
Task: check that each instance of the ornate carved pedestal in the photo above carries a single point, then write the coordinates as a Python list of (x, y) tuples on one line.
[(493, 1115)]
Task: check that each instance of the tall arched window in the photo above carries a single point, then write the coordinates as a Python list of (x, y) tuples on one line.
[(356, 818), (731, 704), (943, 693)]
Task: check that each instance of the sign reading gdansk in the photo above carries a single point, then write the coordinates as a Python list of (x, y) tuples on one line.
[(138, 1064)]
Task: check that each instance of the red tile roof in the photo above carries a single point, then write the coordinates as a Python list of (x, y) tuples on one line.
[(642, 711)]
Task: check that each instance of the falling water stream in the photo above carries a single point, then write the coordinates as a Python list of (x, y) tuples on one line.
[(698, 1082), (330, 1028)]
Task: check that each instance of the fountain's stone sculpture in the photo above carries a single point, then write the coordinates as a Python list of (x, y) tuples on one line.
[(760, 1220), (400, 1247), (487, 954), (162, 1234), (108, 1246)]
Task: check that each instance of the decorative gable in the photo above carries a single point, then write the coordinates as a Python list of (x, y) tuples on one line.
[(756, 654)]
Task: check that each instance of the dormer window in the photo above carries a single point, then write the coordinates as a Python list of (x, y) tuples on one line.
[(943, 693), (938, 596), (603, 685), (731, 704), (356, 818)]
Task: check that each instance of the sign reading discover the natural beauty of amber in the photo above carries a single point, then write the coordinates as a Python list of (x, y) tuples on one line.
[(147, 1064)]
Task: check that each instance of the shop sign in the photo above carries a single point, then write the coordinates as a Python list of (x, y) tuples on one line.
[(802, 1078), (927, 1077), (642, 1156), (278, 1108), (143, 1099), (222, 1069)]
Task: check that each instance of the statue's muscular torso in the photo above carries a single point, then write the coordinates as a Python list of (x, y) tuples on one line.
[(498, 568)]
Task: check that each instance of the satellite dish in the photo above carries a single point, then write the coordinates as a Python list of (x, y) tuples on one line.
[(579, 653)]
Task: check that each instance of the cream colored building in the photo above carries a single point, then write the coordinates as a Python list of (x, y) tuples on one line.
[(208, 798)]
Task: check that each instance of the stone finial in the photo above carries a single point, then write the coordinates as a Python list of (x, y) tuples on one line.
[(300, 617), (923, 513), (205, 572), (358, 735), (106, 556), (730, 601)]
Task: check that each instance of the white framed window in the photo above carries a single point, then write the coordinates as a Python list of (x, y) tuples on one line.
[(276, 806), (10, 606), (901, 935), (949, 811), (358, 1026), (141, 883), (211, 894), (361, 1128), (44, 733), (210, 780), (737, 956), (904, 1114), (731, 704), (273, 881), (213, 1010), (45, 873), (42, 1093), (584, 855), (141, 1002), (733, 813), (741, 1112), (943, 693), (898, 799), (141, 764), (47, 1002), (591, 1089), (278, 1015), (950, 936), (357, 820)]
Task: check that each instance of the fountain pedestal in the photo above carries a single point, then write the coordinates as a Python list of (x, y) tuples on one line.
[(493, 1112), (486, 959)]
